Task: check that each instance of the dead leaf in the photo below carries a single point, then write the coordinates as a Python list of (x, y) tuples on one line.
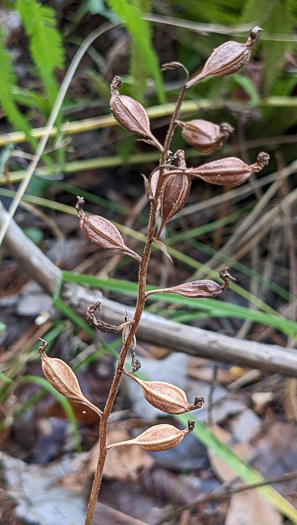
[(250, 508)]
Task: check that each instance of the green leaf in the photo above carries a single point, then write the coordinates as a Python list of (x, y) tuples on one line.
[(7, 85), (45, 42), (30, 99), (131, 14)]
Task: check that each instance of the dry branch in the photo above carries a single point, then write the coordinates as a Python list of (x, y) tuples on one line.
[(153, 328)]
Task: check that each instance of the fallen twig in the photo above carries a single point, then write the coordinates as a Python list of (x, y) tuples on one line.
[(153, 328)]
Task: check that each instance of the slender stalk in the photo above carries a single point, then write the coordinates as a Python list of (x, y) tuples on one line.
[(142, 277)]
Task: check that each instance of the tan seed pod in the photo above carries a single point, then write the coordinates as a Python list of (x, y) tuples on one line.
[(130, 114), (230, 171), (166, 397), (227, 58), (194, 289), (205, 136), (102, 232), (157, 438), (173, 197), (63, 379)]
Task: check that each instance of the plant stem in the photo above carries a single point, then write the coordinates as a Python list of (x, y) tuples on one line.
[(142, 277)]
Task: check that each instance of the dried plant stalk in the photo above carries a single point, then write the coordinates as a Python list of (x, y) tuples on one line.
[(167, 190)]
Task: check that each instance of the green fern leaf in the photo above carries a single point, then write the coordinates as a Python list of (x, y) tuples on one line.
[(7, 85), (45, 42), (130, 12)]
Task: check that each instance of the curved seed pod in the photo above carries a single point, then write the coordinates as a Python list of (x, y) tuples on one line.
[(166, 397), (174, 196), (230, 171), (130, 114), (227, 58), (157, 438), (195, 289), (102, 232), (205, 136), (63, 379)]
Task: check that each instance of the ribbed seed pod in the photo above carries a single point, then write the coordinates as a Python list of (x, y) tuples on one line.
[(157, 438), (63, 379), (166, 397), (227, 58), (230, 171), (102, 232), (205, 136), (194, 289), (174, 196), (130, 113)]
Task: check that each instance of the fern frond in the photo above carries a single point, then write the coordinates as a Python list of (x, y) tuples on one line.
[(7, 85), (130, 13), (45, 42)]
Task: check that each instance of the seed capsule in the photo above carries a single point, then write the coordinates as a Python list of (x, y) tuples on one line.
[(166, 397), (130, 114), (195, 289), (227, 58), (157, 438), (205, 136), (63, 379), (174, 196), (230, 171), (102, 232)]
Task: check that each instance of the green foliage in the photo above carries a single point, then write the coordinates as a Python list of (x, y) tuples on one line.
[(130, 11), (7, 85), (45, 42), (213, 307), (277, 19), (214, 11)]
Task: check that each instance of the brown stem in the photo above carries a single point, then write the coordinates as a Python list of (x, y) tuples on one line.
[(142, 276)]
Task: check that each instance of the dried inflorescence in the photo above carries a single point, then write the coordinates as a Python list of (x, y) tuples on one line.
[(167, 190)]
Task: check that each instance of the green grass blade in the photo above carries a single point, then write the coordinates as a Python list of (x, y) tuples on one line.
[(138, 28), (220, 308)]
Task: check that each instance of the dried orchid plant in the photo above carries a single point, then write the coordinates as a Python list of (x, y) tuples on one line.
[(167, 190)]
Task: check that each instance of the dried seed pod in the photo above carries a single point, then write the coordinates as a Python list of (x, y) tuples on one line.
[(173, 197), (230, 171), (102, 232), (227, 58), (205, 136), (157, 438), (130, 114), (195, 289), (166, 397), (63, 379)]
